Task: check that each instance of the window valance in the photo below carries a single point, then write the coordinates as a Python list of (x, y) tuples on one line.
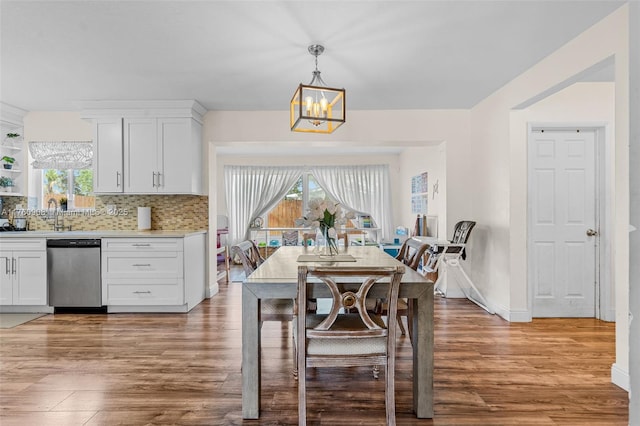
[(61, 155)]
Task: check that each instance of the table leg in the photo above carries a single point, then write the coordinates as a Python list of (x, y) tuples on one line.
[(423, 354), (250, 355)]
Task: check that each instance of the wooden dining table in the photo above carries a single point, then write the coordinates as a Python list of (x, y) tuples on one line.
[(277, 278)]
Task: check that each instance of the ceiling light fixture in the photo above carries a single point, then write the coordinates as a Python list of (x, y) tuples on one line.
[(316, 108)]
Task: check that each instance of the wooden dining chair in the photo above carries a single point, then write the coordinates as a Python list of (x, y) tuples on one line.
[(270, 309), (410, 254), (356, 338)]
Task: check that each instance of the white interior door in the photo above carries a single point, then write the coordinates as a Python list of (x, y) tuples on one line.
[(562, 212)]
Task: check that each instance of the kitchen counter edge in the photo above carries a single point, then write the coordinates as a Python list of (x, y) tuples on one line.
[(101, 234)]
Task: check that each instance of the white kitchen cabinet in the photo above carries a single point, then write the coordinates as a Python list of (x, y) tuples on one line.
[(23, 272), (147, 147), (108, 155), (153, 274), (162, 155)]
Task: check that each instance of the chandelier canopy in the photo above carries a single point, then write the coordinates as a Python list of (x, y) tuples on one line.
[(316, 108)]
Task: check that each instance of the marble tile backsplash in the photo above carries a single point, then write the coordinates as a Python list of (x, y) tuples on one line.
[(168, 212)]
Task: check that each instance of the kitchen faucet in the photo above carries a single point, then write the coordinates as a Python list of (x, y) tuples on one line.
[(55, 207), (58, 221)]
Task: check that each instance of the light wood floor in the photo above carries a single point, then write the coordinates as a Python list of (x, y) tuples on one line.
[(185, 369)]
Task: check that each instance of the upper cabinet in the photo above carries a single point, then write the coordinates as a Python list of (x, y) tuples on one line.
[(147, 147), (160, 154), (107, 155)]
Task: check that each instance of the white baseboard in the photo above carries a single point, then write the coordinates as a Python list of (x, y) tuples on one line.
[(511, 316), (520, 316), (620, 377), (212, 290), (454, 293)]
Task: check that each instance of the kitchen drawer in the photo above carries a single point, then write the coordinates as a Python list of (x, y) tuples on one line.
[(142, 244), (142, 265), (156, 292), (20, 244)]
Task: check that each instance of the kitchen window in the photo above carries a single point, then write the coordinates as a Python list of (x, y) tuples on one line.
[(61, 170), (73, 184)]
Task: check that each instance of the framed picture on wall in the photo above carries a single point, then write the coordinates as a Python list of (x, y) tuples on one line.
[(419, 193)]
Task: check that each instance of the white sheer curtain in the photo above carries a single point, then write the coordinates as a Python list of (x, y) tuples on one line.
[(363, 189), (252, 191)]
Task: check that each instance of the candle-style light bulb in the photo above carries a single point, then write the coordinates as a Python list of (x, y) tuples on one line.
[(309, 104)]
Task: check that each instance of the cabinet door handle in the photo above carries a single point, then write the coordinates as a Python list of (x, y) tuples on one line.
[(159, 182), (142, 245), (153, 180), (7, 267), (142, 292), (13, 265), (117, 178), (142, 264)]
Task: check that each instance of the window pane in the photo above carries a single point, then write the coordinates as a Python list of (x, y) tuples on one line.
[(55, 181), (83, 189), (284, 214), (74, 185), (83, 182), (315, 190)]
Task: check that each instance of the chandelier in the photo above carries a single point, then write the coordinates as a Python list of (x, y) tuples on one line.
[(316, 108)]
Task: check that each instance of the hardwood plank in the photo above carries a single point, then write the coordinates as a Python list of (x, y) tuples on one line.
[(69, 369)]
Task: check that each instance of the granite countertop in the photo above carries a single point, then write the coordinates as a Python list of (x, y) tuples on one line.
[(100, 234)]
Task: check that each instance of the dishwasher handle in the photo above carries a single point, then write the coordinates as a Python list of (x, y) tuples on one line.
[(73, 243)]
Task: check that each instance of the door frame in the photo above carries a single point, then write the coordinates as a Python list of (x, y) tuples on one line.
[(604, 302)]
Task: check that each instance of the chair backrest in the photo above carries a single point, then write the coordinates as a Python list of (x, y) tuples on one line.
[(461, 231), (290, 238), (411, 252), (349, 287), (248, 254), (308, 237)]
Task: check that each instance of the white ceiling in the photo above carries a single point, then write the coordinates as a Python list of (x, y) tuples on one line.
[(250, 55)]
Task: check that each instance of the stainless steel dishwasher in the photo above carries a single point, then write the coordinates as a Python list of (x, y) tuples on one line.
[(73, 271)]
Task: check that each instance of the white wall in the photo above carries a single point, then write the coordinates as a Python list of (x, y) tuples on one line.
[(499, 185), (433, 160), (56, 126)]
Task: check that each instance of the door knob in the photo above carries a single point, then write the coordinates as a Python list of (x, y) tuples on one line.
[(592, 232)]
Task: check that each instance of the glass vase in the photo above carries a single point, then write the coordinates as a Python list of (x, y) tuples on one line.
[(325, 245)]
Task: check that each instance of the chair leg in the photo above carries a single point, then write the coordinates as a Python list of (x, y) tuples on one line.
[(302, 400), (389, 395), (295, 360)]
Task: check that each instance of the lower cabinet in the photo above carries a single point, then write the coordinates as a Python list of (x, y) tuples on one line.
[(153, 274), (23, 272)]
